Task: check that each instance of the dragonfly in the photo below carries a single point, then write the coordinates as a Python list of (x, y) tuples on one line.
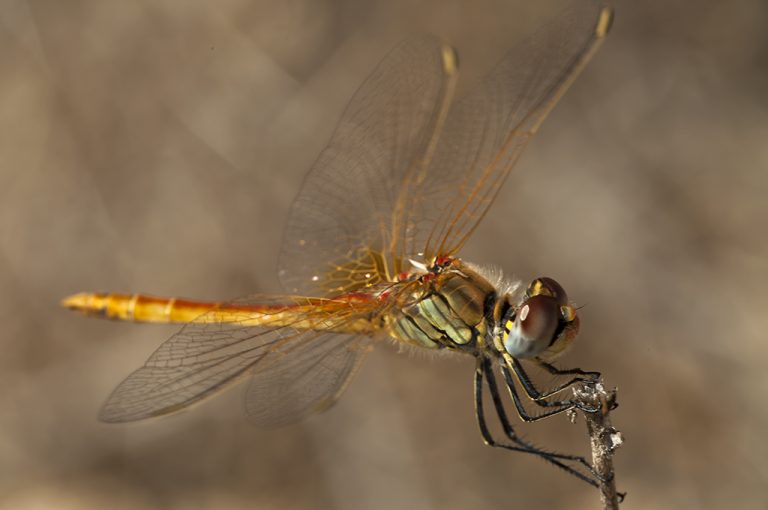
[(370, 252)]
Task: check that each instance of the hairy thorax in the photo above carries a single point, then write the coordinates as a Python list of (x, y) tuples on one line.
[(449, 306)]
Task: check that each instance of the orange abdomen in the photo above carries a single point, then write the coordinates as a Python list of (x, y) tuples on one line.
[(340, 314), (138, 307)]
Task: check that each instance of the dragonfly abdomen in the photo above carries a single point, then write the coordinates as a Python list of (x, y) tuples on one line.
[(138, 307), (337, 314)]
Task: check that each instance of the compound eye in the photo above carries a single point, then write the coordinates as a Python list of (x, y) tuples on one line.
[(534, 327), (546, 286), (538, 318)]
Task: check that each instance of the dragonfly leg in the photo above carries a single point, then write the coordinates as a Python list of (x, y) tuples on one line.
[(484, 370), (591, 376), (538, 397), (559, 406)]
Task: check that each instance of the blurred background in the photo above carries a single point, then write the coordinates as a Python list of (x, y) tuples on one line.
[(156, 146)]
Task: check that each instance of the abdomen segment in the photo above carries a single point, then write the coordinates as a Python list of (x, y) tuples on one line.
[(138, 307), (344, 314)]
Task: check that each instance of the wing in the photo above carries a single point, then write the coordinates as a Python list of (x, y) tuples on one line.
[(488, 129), (408, 176), (207, 356), (339, 235), (309, 381)]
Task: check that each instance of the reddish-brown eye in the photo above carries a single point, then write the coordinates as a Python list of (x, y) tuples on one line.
[(539, 318), (534, 327)]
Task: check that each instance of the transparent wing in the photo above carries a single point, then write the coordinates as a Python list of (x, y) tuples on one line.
[(208, 355), (340, 235), (407, 175), (487, 130), (309, 381)]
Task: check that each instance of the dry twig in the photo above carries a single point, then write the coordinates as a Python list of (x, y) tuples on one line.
[(604, 439)]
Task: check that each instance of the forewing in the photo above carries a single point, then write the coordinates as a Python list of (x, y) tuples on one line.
[(340, 234), (487, 130), (208, 355), (408, 176)]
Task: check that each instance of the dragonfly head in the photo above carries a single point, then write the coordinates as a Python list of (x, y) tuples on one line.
[(544, 325)]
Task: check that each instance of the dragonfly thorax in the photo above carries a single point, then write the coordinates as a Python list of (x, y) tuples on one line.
[(446, 307)]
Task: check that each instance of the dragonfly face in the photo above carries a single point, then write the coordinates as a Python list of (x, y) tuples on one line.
[(405, 179), (544, 325)]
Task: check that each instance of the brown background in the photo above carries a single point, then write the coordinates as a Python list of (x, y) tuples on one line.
[(156, 146)]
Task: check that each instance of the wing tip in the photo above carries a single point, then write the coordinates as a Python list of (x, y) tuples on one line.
[(450, 60), (108, 415), (114, 413), (604, 22)]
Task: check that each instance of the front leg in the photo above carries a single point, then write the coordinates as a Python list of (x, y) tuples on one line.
[(538, 397), (591, 376)]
